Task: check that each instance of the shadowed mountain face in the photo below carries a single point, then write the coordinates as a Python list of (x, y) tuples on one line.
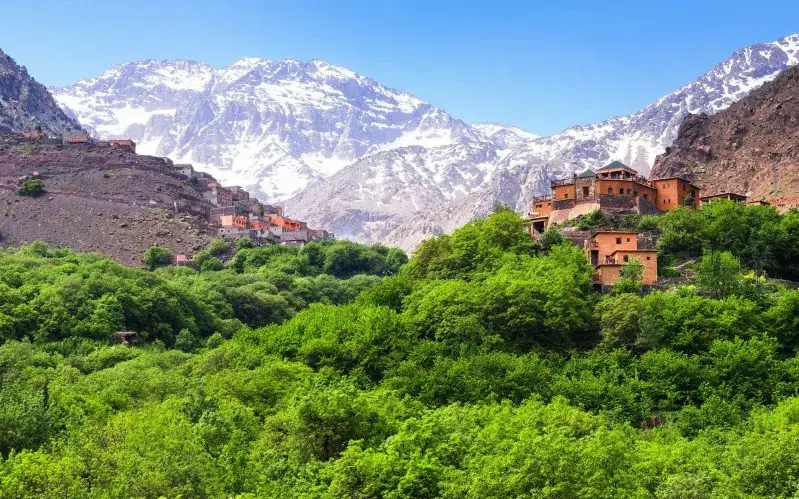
[(750, 148), (25, 103), (370, 162)]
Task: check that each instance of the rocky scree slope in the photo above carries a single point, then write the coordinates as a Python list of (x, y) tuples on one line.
[(98, 199)]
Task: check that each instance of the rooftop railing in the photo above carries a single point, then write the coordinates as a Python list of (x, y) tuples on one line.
[(542, 198), (561, 181)]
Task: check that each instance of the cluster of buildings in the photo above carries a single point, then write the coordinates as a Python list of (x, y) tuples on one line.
[(236, 214), (616, 188)]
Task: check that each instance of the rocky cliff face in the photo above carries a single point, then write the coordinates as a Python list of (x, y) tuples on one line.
[(751, 148), (25, 103)]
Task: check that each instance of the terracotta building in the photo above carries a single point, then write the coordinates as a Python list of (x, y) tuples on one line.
[(286, 223), (738, 198), (675, 191), (609, 250), (615, 187), (80, 138), (233, 221), (123, 144)]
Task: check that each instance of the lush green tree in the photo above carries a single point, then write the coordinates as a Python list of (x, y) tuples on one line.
[(719, 273), (631, 278), (156, 256)]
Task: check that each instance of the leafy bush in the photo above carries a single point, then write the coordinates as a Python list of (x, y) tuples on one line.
[(156, 256), (32, 187)]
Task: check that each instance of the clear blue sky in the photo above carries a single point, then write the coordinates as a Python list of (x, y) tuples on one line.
[(542, 66)]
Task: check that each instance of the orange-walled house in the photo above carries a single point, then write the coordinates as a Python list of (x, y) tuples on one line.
[(233, 221), (675, 191), (287, 223), (609, 250)]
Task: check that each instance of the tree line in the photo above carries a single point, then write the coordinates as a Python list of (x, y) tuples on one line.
[(486, 366)]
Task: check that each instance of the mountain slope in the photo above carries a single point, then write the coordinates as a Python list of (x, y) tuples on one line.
[(272, 126), (523, 168), (749, 148), (25, 103)]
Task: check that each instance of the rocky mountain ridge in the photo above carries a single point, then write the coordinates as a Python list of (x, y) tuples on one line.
[(750, 148), (26, 104)]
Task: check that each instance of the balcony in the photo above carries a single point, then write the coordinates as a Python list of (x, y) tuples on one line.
[(561, 181), (541, 199)]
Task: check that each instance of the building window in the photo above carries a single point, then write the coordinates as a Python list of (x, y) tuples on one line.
[(648, 258), (628, 239), (628, 192), (618, 240), (610, 190), (626, 258), (585, 191)]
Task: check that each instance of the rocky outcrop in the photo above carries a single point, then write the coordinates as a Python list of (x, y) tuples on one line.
[(750, 148), (25, 103)]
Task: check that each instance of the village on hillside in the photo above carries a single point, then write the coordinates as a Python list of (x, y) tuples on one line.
[(617, 189), (235, 214)]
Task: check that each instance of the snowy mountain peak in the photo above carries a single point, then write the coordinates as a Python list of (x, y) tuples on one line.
[(274, 126)]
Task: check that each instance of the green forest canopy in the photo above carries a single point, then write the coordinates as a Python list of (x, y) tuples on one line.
[(484, 367)]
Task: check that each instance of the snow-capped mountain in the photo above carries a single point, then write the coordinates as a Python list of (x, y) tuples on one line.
[(370, 162), (523, 165), (637, 139), (274, 127)]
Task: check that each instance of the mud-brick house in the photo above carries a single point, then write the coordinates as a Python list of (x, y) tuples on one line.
[(230, 233), (675, 191), (286, 223), (79, 138), (738, 198), (126, 144), (321, 235), (299, 237), (234, 221), (219, 196), (609, 250), (187, 170)]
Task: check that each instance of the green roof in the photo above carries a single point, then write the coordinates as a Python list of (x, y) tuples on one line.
[(589, 173), (615, 165)]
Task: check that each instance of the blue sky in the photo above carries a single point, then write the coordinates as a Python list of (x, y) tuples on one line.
[(542, 66)]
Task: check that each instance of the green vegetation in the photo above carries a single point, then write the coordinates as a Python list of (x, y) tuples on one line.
[(487, 366), (156, 256), (32, 187), (27, 148)]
